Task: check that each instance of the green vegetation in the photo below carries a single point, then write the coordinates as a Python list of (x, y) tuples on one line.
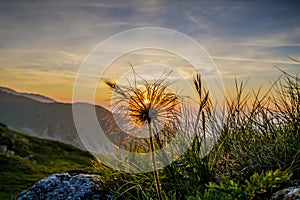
[(257, 151), (26, 160), (257, 184)]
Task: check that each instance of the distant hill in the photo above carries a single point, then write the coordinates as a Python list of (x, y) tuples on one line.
[(51, 120), (36, 97), (25, 160)]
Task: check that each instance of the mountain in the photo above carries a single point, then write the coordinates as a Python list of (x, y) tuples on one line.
[(25, 160), (46, 119), (36, 97)]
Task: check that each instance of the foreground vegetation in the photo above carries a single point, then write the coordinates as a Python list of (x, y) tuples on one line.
[(25, 160), (257, 151)]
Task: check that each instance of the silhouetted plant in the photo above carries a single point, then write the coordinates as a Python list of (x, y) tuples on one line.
[(260, 134), (148, 104)]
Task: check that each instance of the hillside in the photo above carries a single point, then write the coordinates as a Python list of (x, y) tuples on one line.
[(36, 97), (45, 120), (25, 159)]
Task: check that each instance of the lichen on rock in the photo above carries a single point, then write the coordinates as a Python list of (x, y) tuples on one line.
[(291, 193), (64, 186)]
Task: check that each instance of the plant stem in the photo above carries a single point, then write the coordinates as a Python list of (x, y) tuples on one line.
[(154, 162)]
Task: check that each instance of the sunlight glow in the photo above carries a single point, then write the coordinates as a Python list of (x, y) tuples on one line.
[(146, 101)]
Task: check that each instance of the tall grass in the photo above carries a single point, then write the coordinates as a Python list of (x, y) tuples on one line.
[(263, 135), (260, 133)]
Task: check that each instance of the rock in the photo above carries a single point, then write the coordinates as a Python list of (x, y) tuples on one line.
[(10, 152), (3, 148), (291, 193), (31, 158), (64, 186)]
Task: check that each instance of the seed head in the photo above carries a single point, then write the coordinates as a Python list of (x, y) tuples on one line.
[(150, 102)]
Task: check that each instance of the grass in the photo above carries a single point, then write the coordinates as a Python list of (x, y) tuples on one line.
[(30, 159), (260, 134), (259, 139), (264, 135)]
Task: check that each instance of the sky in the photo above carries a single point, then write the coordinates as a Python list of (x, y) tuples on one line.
[(44, 43)]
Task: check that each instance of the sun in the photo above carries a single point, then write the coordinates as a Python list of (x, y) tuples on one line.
[(146, 101)]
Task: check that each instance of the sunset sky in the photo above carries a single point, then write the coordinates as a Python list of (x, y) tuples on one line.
[(42, 44)]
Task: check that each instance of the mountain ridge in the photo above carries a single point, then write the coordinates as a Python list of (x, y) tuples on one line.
[(37, 97), (47, 120)]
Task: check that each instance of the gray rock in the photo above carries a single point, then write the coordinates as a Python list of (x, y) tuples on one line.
[(291, 193), (3, 148), (64, 186)]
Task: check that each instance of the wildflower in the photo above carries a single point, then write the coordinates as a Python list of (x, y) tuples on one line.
[(151, 104)]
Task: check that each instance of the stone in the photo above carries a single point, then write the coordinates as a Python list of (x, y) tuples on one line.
[(291, 193), (64, 186), (3, 148)]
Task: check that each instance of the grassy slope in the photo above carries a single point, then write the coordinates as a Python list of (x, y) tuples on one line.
[(34, 159)]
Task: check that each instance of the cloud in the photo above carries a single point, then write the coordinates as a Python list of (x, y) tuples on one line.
[(69, 54), (277, 61), (245, 38)]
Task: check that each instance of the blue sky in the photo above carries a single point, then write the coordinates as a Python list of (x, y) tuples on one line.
[(43, 43)]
